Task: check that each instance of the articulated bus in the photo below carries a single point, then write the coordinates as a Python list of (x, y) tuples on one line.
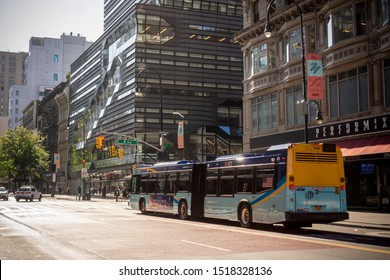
[(294, 185)]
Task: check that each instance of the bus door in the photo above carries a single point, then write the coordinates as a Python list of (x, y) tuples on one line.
[(198, 190)]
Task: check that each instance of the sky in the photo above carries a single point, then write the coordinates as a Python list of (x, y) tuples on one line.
[(22, 19)]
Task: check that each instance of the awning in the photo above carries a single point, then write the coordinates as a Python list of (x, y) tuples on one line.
[(365, 146)]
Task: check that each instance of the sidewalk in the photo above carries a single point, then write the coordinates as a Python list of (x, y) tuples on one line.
[(362, 219), (96, 198), (367, 219)]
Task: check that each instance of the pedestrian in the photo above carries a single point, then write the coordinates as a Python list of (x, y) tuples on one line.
[(116, 195), (79, 193), (104, 192), (68, 191)]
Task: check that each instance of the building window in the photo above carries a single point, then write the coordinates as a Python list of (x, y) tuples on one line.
[(256, 15), (263, 58), (349, 92), (56, 58), (294, 97), (346, 23), (264, 113), (55, 77), (384, 12), (154, 29), (386, 78), (293, 45)]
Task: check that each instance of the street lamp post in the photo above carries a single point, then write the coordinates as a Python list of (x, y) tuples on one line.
[(182, 116), (83, 167), (161, 104), (268, 33)]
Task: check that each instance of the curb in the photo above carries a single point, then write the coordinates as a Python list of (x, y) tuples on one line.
[(361, 225)]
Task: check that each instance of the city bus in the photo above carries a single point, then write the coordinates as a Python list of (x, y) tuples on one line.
[(294, 184)]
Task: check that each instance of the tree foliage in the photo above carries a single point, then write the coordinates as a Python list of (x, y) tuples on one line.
[(22, 154)]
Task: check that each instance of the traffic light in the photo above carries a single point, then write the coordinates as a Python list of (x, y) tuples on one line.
[(120, 153), (102, 141), (98, 143), (112, 151)]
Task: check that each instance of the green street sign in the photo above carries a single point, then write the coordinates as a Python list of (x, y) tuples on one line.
[(127, 142)]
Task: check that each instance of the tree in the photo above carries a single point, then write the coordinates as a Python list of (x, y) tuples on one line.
[(22, 155)]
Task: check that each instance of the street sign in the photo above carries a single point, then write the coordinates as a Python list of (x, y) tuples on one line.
[(127, 142)]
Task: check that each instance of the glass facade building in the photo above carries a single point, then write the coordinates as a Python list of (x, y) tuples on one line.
[(156, 58)]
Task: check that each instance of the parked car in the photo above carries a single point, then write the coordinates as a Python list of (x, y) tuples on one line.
[(3, 193), (28, 193)]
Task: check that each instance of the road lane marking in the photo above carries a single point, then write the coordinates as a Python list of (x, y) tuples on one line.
[(205, 245), (274, 235)]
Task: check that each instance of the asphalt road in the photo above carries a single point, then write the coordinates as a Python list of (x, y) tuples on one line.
[(107, 230)]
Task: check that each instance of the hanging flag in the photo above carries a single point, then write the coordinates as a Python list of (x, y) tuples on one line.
[(315, 77), (180, 135)]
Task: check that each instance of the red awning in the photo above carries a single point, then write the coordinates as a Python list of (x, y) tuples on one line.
[(365, 146)]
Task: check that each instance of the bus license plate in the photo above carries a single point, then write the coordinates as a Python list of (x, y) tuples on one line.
[(317, 207)]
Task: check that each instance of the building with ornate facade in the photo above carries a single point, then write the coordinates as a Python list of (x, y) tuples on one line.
[(352, 39)]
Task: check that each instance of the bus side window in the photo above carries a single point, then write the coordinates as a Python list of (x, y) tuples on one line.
[(184, 181), (264, 179), (161, 183), (212, 182), (171, 182), (245, 180), (227, 181), (152, 183)]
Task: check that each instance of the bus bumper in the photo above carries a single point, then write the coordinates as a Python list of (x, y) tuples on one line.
[(320, 218)]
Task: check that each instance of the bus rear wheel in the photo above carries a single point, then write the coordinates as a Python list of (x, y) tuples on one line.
[(183, 211), (245, 216)]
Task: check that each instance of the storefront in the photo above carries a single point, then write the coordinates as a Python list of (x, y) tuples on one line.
[(367, 169), (365, 145)]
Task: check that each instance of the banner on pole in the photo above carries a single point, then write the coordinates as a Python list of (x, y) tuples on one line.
[(315, 77), (57, 160), (180, 135)]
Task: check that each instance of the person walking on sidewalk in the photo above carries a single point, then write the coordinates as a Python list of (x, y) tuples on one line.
[(78, 193), (104, 190), (116, 195)]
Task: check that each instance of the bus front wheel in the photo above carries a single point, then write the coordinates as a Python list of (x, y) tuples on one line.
[(245, 216), (142, 206), (183, 211)]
